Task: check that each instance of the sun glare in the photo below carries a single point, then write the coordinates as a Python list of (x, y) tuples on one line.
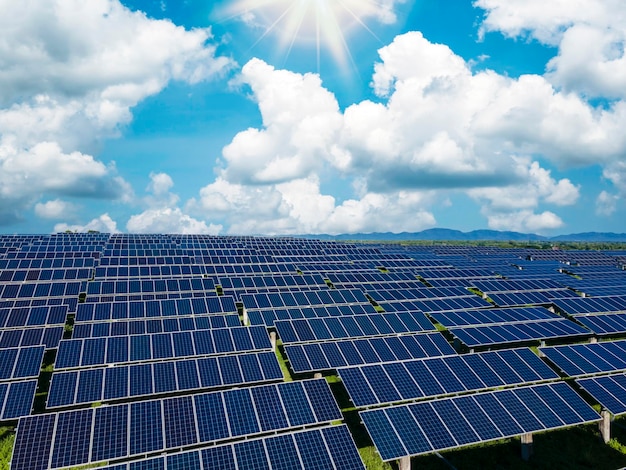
[(322, 23)]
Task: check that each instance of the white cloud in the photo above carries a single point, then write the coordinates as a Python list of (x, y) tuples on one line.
[(55, 209), (524, 221), (536, 186), (616, 174), (590, 35), (160, 183), (71, 73), (300, 119), (299, 207), (169, 220), (162, 215), (104, 223), (606, 203)]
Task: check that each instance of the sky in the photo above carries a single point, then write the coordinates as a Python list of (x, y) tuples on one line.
[(282, 117)]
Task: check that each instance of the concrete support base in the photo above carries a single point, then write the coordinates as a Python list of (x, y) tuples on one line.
[(404, 463), (527, 446), (246, 319), (273, 340), (605, 425), (593, 339), (317, 375)]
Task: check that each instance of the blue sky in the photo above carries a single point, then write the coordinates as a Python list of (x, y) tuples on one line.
[(312, 116)]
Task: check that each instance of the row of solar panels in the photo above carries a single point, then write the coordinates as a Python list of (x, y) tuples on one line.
[(328, 448), (92, 311), (315, 357), (427, 378), (81, 437), (123, 382), (153, 325), (49, 337), (333, 328), (87, 352), (414, 429)]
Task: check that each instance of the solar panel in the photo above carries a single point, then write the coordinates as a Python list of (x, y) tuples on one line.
[(511, 299), (431, 426), (49, 337), (91, 435), (321, 329), (137, 309), (582, 305), (75, 353), (493, 316), (327, 447), (16, 399), (436, 305), (479, 336), (267, 317), (409, 380), (192, 374), (20, 363), (33, 316), (332, 355), (585, 359), (608, 390)]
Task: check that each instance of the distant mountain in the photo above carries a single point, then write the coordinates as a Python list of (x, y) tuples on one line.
[(444, 234)]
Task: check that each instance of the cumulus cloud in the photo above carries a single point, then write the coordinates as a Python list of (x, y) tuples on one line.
[(606, 203), (169, 220), (162, 214), (104, 223), (537, 186), (590, 36), (300, 118), (299, 206), (524, 221), (438, 125), (55, 209), (71, 73)]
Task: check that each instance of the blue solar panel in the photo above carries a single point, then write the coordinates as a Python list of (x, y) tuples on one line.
[(111, 432), (74, 450), (146, 427), (479, 336), (583, 359), (609, 391), (16, 399), (240, 409), (302, 358), (32, 447), (91, 351), (443, 424), (16, 363), (319, 329), (179, 422)]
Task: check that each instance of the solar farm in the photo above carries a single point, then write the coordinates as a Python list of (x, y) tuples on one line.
[(138, 352)]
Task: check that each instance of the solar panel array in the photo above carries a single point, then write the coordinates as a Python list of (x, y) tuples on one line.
[(88, 352), (585, 359), (322, 329), (422, 428), (313, 357), (329, 448), (268, 317), (122, 382), (155, 308), (153, 325), (584, 305), (426, 378), (81, 437), (507, 333), (493, 316), (151, 322), (608, 390)]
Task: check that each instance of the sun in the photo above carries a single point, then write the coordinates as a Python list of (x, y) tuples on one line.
[(324, 23)]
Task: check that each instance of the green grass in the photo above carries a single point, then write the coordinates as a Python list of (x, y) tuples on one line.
[(7, 437)]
